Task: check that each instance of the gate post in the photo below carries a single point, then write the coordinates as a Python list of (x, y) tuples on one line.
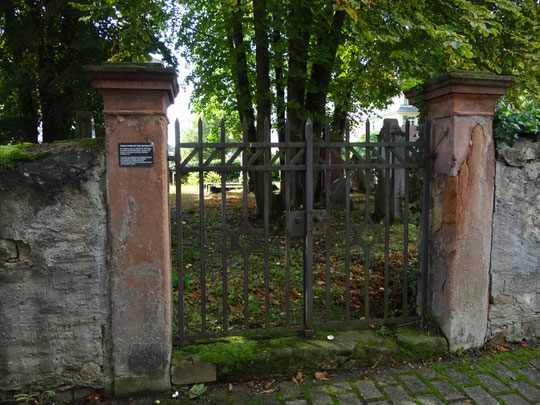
[(135, 100), (460, 106)]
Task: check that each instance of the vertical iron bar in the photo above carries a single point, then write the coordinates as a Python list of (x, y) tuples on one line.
[(308, 248), (405, 285), (224, 230), (367, 251), (328, 244), (425, 215), (244, 218), (179, 235), (387, 173), (267, 189), (202, 238), (347, 227), (287, 236)]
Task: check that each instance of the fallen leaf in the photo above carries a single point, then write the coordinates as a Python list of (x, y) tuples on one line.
[(321, 375), (299, 378), (396, 366), (270, 391), (197, 390), (230, 387), (268, 384), (365, 378)]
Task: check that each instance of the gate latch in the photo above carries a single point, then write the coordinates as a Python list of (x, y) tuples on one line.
[(296, 222)]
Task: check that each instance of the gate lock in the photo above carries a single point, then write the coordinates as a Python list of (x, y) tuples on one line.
[(296, 222)]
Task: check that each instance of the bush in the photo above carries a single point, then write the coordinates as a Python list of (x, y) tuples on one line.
[(511, 122)]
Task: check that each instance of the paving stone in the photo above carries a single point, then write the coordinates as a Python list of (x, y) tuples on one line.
[(532, 374), (367, 389), (341, 386), (384, 379), (348, 399), (379, 403), (458, 377), (290, 389), (447, 390), (526, 389), (491, 382), (429, 400), (399, 396), (513, 399), (320, 396), (535, 362), (297, 402), (501, 370), (514, 363), (480, 395), (413, 383), (429, 373), (268, 399)]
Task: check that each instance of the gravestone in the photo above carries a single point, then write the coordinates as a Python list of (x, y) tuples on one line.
[(84, 121), (337, 194), (390, 132)]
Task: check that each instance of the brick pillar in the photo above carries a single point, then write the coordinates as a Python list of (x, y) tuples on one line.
[(135, 100), (461, 105)]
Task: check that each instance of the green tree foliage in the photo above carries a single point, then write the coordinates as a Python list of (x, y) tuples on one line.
[(512, 122), (326, 59), (44, 45)]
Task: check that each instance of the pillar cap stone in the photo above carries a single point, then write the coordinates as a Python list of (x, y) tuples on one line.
[(133, 76), (461, 82)]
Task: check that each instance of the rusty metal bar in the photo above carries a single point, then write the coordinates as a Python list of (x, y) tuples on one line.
[(287, 236), (366, 216), (202, 240), (244, 218), (308, 243), (425, 216), (224, 232), (293, 145), (347, 229), (328, 245), (387, 173), (267, 202), (179, 234), (405, 285)]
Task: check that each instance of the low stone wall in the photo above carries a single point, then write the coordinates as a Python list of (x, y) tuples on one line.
[(514, 312), (53, 279)]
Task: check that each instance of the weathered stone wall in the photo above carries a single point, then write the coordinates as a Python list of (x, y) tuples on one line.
[(53, 279), (514, 311)]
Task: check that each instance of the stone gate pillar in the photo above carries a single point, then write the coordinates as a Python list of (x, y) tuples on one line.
[(135, 100), (461, 106)]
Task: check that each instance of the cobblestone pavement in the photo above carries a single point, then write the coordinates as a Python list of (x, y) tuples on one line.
[(505, 378)]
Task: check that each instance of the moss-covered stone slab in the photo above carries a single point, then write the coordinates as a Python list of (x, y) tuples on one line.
[(241, 358), (192, 370)]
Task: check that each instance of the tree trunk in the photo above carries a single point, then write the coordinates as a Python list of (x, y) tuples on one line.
[(322, 73), (240, 75), (262, 93), (299, 34)]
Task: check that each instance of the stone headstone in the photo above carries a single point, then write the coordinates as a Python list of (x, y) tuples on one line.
[(390, 132), (337, 194), (84, 121)]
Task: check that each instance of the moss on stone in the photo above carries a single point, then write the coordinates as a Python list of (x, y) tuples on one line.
[(234, 350), (10, 154), (241, 358), (93, 142)]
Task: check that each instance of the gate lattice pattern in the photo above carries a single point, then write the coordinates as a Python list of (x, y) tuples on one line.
[(330, 253)]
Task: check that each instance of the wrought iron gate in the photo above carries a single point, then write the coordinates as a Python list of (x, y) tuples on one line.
[(349, 251)]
